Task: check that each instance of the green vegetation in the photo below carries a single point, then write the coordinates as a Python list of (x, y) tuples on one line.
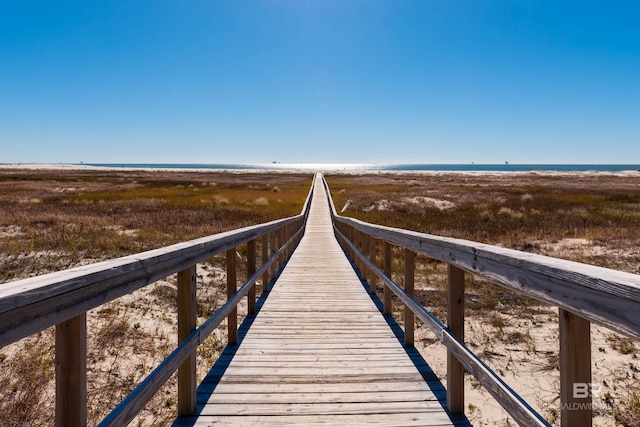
[(623, 345)]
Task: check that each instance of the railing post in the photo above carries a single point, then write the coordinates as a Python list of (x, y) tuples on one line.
[(265, 257), (409, 279), (352, 254), (455, 320), (359, 263), (278, 246), (373, 256), (363, 265), (347, 249), (187, 382), (366, 271), (301, 225), (71, 372), (251, 268), (575, 370), (388, 308), (272, 245), (232, 320), (285, 233), (345, 246)]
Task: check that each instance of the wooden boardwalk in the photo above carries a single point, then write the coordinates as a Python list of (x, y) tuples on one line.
[(319, 353)]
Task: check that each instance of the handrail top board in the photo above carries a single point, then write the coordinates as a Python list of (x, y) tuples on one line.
[(153, 263), (605, 296), (30, 305), (626, 283)]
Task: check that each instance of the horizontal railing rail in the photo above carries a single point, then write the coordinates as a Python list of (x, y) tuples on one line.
[(61, 299), (583, 293), (136, 400)]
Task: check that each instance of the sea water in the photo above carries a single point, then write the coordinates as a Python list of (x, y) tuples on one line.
[(507, 167)]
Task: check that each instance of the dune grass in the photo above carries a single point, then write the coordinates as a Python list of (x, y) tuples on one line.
[(513, 212), (587, 218), (52, 220)]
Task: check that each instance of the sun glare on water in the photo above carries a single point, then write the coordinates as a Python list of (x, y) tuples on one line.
[(321, 167)]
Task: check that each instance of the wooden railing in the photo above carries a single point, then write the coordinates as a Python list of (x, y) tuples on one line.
[(63, 299), (582, 293)]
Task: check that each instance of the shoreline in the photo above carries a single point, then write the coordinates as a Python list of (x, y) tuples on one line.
[(332, 169)]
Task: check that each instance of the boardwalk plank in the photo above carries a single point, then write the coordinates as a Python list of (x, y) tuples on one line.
[(373, 420), (339, 408), (318, 397), (309, 387)]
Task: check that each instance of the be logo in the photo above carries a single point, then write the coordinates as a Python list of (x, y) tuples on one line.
[(584, 390)]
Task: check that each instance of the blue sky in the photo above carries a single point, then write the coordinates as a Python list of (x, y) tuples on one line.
[(388, 81)]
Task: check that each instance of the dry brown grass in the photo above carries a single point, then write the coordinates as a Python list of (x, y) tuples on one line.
[(52, 220), (587, 218), (516, 211)]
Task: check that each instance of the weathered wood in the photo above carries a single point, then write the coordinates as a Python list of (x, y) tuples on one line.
[(251, 268), (242, 396), (361, 268), (274, 250), (455, 321), (303, 355), (515, 406), (350, 236), (346, 236), (232, 287), (388, 308), (605, 296), (329, 387), (356, 261), (135, 401), (287, 234), (575, 370), (71, 372), (409, 279), (343, 408), (265, 257), (138, 398), (355, 420), (366, 274), (373, 254), (280, 241), (608, 297), (187, 382), (31, 305)]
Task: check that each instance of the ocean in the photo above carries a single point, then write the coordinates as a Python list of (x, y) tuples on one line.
[(361, 167)]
